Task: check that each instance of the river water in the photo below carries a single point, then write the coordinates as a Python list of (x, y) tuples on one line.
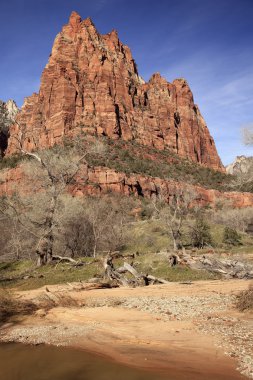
[(21, 362)]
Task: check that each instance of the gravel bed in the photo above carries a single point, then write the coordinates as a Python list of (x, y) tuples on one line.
[(233, 335), (179, 308), (55, 335)]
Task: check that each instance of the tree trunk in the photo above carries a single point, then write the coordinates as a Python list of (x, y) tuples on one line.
[(50, 241), (176, 235), (40, 259), (95, 249), (45, 246)]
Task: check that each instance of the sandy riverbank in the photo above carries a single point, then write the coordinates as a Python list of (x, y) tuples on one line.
[(182, 329)]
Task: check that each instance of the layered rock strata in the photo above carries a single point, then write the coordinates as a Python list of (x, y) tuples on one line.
[(91, 84), (99, 180)]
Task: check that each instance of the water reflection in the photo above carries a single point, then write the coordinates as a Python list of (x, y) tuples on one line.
[(21, 362)]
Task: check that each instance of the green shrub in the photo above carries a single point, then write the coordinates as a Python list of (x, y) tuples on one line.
[(10, 161), (231, 236), (129, 157), (245, 299), (200, 234)]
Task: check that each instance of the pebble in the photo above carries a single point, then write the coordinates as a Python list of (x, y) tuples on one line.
[(233, 335)]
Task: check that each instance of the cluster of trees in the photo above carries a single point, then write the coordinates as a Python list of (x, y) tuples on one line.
[(53, 224), (80, 226), (50, 222), (186, 221)]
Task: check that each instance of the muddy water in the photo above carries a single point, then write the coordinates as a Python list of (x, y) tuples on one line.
[(21, 362)]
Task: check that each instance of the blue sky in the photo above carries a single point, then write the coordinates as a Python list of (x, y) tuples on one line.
[(208, 42)]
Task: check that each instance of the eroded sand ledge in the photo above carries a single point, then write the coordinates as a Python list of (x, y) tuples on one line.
[(165, 327)]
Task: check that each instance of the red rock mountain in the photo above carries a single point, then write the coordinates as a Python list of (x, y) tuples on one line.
[(91, 80)]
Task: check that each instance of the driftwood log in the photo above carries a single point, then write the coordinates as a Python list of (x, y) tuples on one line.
[(228, 268), (127, 275)]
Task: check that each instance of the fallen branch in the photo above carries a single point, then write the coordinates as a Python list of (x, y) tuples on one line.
[(156, 280), (117, 275), (225, 267), (64, 258)]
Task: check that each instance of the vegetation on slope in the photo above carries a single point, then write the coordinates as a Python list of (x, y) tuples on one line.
[(148, 239), (85, 229), (10, 162), (130, 157)]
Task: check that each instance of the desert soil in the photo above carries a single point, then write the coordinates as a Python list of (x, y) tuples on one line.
[(191, 330)]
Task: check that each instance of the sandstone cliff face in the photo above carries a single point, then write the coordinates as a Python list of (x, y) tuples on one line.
[(12, 109), (99, 180), (91, 81), (8, 112), (241, 165)]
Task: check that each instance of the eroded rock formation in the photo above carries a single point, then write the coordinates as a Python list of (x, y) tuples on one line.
[(8, 112), (91, 81), (100, 180), (242, 165)]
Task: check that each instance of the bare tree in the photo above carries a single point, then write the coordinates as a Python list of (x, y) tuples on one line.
[(74, 234), (174, 211), (57, 175), (229, 216), (55, 172), (5, 236), (107, 219), (91, 225)]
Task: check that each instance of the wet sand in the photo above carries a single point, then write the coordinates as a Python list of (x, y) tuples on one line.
[(137, 338)]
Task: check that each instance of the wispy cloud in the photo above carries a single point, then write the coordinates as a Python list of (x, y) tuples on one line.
[(237, 92), (223, 88)]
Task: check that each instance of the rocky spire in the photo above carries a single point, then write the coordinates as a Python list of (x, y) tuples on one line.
[(75, 20), (92, 80)]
